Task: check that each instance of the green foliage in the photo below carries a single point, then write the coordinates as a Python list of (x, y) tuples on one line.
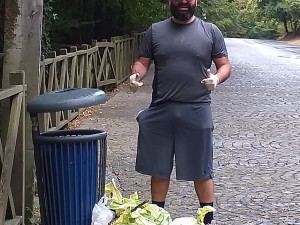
[(49, 17), (263, 31), (285, 11), (247, 17), (141, 14), (293, 9), (70, 22), (223, 13)]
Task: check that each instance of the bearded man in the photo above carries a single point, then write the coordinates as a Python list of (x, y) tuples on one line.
[(178, 123)]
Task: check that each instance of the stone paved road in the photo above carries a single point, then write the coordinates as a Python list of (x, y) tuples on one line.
[(257, 140)]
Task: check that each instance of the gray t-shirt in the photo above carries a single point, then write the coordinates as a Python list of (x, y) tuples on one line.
[(182, 53)]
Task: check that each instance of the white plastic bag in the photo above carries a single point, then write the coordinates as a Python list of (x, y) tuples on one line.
[(184, 221), (102, 215), (192, 221)]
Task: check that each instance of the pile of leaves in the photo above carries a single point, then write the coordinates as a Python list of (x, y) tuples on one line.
[(132, 210)]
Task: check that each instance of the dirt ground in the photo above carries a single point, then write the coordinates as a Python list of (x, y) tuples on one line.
[(292, 38)]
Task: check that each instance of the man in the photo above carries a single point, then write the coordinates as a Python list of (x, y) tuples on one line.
[(179, 120)]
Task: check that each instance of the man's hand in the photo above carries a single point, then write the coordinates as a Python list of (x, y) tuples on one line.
[(134, 83), (211, 81)]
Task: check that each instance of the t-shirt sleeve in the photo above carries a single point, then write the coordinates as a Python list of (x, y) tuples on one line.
[(146, 48), (219, 48)]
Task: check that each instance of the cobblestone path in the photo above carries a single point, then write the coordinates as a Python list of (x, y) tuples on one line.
[(257, 140)]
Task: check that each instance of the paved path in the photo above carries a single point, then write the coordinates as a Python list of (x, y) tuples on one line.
[(257, 143)]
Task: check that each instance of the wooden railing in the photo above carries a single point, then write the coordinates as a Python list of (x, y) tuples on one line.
[(124, 55), (92, 66), (138, 38), (12, 148), (99, 65)]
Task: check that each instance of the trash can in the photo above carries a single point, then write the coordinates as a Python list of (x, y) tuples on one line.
[(70, 164)]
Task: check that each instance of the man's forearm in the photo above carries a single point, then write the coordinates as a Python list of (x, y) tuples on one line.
[(141, 66), (223, 72)]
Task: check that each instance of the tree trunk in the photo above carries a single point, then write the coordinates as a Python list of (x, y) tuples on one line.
[(12, 39), (295, 26), (30, 63), (285, 26), (1, 37)]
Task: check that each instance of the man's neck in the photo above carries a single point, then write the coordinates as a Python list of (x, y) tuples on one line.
[(183, 22)]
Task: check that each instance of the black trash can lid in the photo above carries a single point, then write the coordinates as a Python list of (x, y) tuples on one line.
[(66, 99)]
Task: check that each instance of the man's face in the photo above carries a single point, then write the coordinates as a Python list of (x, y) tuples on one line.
[(183, 10)]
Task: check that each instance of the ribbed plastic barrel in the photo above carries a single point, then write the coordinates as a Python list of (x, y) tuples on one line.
[(73, 174)]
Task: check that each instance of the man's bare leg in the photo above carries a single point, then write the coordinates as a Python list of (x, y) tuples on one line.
[(205, 192), (159, 190)]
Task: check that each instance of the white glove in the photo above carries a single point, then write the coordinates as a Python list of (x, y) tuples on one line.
[(211, 81), (133, 83)]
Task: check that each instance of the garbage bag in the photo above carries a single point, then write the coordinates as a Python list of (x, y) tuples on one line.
[(184, 221), (101, 214), (192, 221)]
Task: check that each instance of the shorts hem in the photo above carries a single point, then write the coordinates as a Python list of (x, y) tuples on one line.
[(211, 176), (151, 174)]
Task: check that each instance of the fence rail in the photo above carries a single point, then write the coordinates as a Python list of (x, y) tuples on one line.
[(99, 65), (91, 66), (12, 152)]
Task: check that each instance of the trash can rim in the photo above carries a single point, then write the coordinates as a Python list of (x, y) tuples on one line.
[(70, 136), (66, 99)]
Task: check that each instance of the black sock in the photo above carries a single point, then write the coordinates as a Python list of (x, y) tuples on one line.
[(160, 204), (209, 216)]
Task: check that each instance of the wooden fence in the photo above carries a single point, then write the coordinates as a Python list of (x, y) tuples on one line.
[(90, 66), (99, 65), (12, 146)]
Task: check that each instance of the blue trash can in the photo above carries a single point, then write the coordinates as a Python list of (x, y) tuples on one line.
[(73, 174), (70, 164)]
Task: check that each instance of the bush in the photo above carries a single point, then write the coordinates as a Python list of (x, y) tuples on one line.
[(263, 32)]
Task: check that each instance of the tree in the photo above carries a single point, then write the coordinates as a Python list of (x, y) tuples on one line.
[(223, 13), (74, 22), (293, 9), (285, 11), (142, 14)]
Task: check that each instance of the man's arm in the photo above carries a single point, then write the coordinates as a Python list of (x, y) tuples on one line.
[(141, 67), (223, 68)]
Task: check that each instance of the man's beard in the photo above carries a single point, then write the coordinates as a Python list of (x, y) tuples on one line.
[(183, 15)]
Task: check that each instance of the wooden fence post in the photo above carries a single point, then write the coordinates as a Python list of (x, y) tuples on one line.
[(86, 66), (12, 157), (12, 52), (74, 71), (94, 43), (18, 185), (114, 59), (52, 73), (64, 69), (11, 62)]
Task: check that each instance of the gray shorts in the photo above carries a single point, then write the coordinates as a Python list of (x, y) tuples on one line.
[(183, 130)]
